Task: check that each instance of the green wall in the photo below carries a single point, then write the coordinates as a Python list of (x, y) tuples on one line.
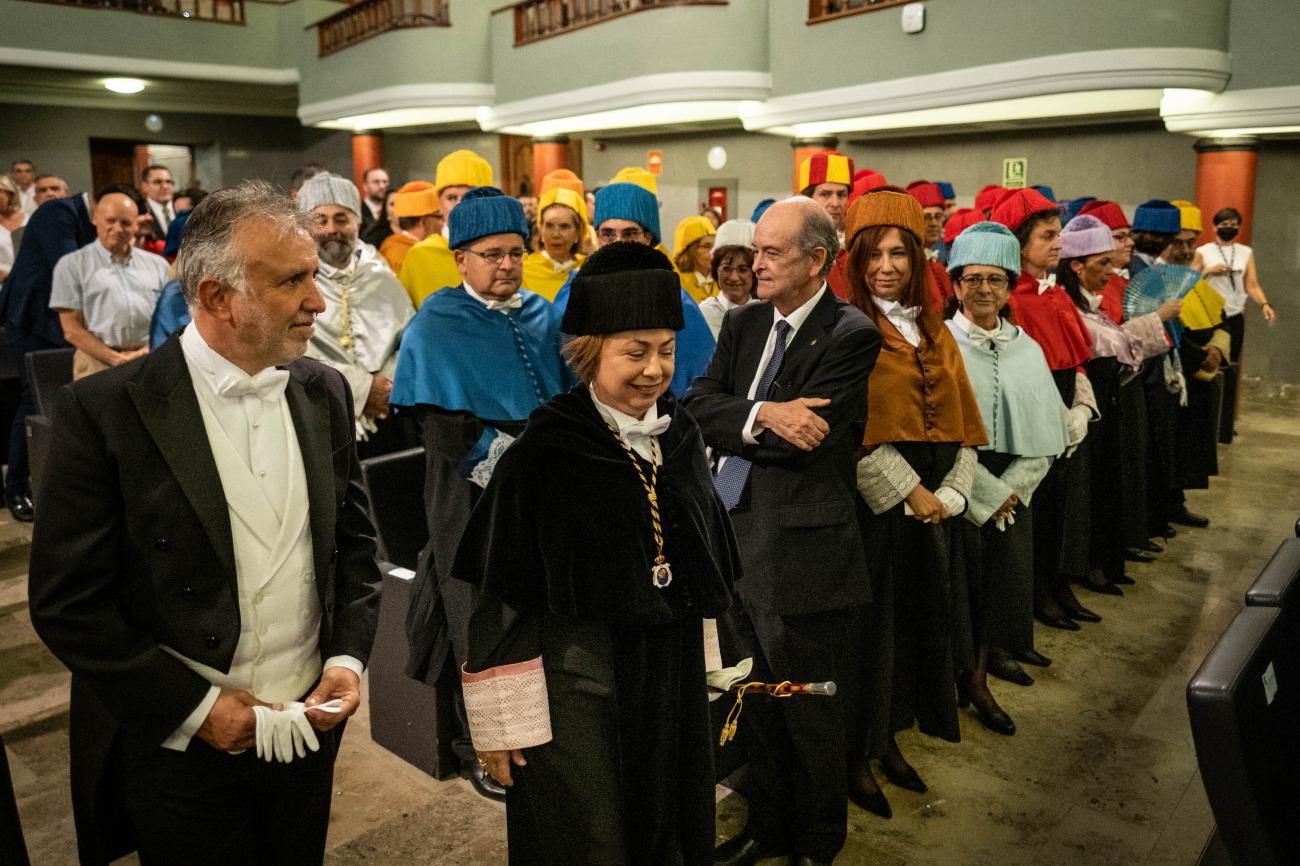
[(964, 33), (415, 157), (1265, 40), (644, 43)]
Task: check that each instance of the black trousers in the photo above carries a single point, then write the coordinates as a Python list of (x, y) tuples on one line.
[(18, 473), (797, 747), (1232, 377), (203, 806)]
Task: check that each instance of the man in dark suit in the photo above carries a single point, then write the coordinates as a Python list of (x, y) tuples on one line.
[(784, 404), (57, 228), (206, 555)]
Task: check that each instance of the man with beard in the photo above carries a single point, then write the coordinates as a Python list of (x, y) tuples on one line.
[(366, 308)]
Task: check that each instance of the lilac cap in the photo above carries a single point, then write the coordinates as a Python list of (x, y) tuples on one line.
[(1085, 236)]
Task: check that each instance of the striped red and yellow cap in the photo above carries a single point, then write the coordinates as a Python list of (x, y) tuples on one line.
[(828, 167)]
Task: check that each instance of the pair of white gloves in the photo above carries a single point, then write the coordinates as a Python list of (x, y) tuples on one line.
[(282, 734), (1076, 427)]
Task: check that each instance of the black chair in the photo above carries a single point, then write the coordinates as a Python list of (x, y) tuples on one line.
[(48, 370), (395, 484), (1274, 585), (1244, 707)]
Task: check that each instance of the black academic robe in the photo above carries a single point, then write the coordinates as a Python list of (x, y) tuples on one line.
[(1103, 445), (560, 548), (1198, 425)]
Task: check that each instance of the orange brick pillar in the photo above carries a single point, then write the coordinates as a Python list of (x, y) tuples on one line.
[(806, 147), (549, 153), (367, 153), (1225, 177)]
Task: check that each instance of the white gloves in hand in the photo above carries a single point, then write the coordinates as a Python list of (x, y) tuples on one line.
[(720, 681), (281, 734), (1076, 427)]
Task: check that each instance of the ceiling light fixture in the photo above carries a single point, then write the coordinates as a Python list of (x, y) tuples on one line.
[(124, 85)]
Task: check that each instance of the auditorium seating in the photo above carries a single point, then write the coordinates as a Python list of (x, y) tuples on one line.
[(47, 370), (395, 483)]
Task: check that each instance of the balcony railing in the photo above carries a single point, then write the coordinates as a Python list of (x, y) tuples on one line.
[(542, 19), (221, 11), (368, 18), (829, 10)]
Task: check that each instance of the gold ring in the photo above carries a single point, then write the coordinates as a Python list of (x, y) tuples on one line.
[(482, 763)]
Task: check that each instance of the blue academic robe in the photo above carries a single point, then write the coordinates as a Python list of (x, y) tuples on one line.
[(171, 314), (695, 341)]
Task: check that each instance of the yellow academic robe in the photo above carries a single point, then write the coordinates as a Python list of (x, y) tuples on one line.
[(691, 283), (541, 276), (428, 267)]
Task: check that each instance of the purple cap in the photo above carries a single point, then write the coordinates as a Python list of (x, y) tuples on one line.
[(1085, 236)]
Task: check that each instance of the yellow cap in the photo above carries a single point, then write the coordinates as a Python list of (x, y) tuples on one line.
[(561, 177), (639, 176), (567, 197), (1191, 215), (462, 168), (415, 199), (690, 230)]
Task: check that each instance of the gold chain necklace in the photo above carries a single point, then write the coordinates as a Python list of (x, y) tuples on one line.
[(661, 573)]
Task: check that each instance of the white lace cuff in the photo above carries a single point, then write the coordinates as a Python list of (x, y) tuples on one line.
[(962, 474), (1025, 474), (1083, 395), (712, 648), (482, 459), (507, 706), (988, 494), (885, 479)]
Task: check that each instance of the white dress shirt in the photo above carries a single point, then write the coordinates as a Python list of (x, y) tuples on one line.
[(261, 434), (714, 308), (27, 200), (796, 319), (638, 433), (902, 318), (163, 214)]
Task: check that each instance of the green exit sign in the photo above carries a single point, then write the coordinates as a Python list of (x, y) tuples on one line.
[(1015, 172)]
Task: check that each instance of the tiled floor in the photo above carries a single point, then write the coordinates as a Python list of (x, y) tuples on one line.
[(1101, 770)]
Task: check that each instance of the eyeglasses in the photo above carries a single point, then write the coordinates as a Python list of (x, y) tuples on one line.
[(624, 235), (997, 282), (495, 257)]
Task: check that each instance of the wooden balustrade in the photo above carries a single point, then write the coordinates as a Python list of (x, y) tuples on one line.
[(220, 11), (542, 19), (368, 18), (829, 10)]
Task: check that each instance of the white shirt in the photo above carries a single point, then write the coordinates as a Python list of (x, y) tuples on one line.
[(1232, 285), (374, 208), (796, 319), (902, 318), (163, 214), (117, 298), (258, 430), (714, 308), (634, 431), (27, 200), (502, 307)]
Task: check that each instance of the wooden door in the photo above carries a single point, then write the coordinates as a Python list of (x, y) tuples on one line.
[(112, 160), (517, 165)]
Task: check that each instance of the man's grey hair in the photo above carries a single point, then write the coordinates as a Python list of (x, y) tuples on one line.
[(815, 230), (208, 247)]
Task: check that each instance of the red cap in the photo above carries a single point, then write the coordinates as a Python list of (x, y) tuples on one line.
[(928, 194), (1018, 206), (961, 219), (1108, 212), (864, 181), (987, 197)]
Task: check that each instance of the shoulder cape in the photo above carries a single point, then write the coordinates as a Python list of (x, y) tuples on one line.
[(1053, 322), (564, 523), (462, 357)]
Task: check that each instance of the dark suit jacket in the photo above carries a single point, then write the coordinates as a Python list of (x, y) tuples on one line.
[(798, 526), (56, 228)]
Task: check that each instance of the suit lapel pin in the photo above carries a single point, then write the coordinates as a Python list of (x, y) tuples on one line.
[(813, 343)]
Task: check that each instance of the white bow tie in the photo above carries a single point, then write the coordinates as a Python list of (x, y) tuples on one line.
[(931, 254), (990, 340), (646, 429), (513, 302), (1094, 301), (907, 314), (1049, 283), (1123, 272), (268, 385)]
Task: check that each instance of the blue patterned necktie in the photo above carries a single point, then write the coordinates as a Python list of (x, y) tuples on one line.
[(732, 477)]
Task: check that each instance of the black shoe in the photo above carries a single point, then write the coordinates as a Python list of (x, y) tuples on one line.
[(1190, 518), (1004, 667), (1151, 547), (1051, 620), (865, 792), (1032, 657), (1096, 581), (1133, 554), (20, 506), (808, 861), (994, 718), (1169, 532), (483, 783), (1123, 580), (744, 850), (904, 777), (1078, 612)]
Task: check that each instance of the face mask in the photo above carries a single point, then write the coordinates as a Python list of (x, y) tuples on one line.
[(1227, 233)]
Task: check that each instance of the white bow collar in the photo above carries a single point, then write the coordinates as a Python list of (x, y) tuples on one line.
[(267, 385), (1046, 284), (514, 302)]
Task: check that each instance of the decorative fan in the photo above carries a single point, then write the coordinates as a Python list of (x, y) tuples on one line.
[(1156, 285)]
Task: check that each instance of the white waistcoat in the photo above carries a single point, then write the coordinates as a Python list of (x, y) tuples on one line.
[(277, 657)]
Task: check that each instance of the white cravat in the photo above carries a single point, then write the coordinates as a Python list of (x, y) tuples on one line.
[(1047, 283), (638, 433), (558, 267), (1094, 301), (991, 340), (1122, 272), (902, 318), (514, 302)]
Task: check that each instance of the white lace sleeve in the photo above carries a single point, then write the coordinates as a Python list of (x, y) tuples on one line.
[(885, 479), (508, 706)]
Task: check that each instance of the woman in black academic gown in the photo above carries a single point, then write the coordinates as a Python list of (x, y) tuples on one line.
[(600, 549)]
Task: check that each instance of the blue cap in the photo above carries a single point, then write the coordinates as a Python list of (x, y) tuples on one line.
[(1070, 209), (485, 211), (627, 201), (986, 243), (1159, 216), (1046, 191), (946, 188), (761, 209)]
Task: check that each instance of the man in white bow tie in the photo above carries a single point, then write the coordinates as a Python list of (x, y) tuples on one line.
[(206, 551)]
